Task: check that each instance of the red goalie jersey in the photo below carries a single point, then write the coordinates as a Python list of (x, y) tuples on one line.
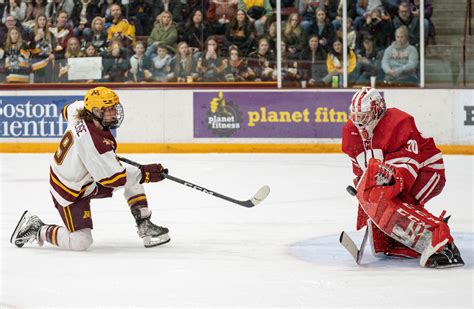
[(396, 140)]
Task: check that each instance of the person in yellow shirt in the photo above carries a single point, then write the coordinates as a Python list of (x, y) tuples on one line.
[(120, 27), (334, 62)]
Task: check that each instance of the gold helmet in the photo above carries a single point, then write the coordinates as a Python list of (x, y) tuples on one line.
[(100, 99)]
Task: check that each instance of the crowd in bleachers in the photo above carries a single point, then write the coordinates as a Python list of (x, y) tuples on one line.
[(212, 40)]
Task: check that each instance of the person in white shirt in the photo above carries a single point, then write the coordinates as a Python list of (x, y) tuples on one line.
[(85, 167)]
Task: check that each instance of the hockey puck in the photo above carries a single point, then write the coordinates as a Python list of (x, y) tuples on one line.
[(351, 190)]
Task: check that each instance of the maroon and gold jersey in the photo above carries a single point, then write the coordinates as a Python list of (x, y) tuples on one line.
[(397, 141), (85, 156)]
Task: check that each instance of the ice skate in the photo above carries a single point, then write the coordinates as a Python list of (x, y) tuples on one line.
[(448, 257), (152, 234), (27, 230)]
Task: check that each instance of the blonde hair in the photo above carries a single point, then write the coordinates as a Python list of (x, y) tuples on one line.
[(9, 44), (289, 29), (73, 54)]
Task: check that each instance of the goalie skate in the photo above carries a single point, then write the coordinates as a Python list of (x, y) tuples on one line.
[(152, 234), (26, 230), (448, 257)]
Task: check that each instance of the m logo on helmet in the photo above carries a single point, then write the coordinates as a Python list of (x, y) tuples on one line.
[(95, 92)]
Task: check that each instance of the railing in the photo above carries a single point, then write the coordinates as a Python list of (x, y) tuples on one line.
[(467, 29)]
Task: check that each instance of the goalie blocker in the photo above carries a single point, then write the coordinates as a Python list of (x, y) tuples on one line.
[(410, 225)]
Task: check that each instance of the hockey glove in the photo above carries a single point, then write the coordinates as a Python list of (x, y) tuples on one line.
[(383, 182), (384, 174), (152, 173)]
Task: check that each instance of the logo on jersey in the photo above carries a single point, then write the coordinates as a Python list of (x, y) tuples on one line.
[(87, 214), (412, 146), (224, 117), (108, 142)]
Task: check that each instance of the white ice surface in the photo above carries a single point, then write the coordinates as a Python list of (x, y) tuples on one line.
[(282, 253)]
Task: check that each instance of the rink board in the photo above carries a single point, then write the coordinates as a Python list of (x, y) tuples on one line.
[(233, 121)]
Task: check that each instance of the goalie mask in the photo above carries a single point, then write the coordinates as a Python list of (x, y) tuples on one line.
[(367, 108), (103, 105)]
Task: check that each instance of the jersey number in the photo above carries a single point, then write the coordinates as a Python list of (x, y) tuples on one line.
[(64, 146), (412, 146)]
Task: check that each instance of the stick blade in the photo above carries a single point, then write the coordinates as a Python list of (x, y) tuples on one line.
[(261, 194), (347, 242)]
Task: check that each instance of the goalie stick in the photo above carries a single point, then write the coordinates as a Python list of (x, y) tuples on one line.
[(347, 242), (256, 199)]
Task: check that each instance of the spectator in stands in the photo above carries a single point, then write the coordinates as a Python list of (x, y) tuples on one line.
[(415, 11), (294, 36), (17, 58), (73, 50), (62, 32), (351, 13), (55, 6), (323, 29), (161, 64), (262, 61), (381, 29), (238, 68), (90, 50), (331, 9), (259, 11), (115, 62), (400, 60), (271, 35), (34, 9), (289, 66), (140, 13), (97, 35), (10, 23), (105, 9), (407, 19), (364, 9), (369, 60), (334, 63), (172, 6), (307, 10), (15, 8), (196, 31), (164, 34), (211, 67), (42, 45), (183, 65), (392, 6), (120, 27), (83, 13), (140, 64), (312, 63), (240, 33), (220, 13)]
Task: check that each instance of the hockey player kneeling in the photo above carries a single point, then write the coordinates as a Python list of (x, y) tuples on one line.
[(85, 167), (397, 171)]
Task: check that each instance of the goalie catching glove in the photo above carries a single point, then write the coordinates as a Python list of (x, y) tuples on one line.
[(152, 173), (383, 181)]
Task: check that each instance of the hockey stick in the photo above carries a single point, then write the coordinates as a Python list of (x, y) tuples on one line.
[(258, 197), (347, 242)]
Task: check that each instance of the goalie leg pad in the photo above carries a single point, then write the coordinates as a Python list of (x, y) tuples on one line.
[(384, 245), (412, 226)]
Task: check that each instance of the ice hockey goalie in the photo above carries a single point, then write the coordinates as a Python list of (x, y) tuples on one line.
[(397, 171)]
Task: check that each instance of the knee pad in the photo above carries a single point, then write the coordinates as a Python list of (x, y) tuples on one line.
[(81, 240)]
